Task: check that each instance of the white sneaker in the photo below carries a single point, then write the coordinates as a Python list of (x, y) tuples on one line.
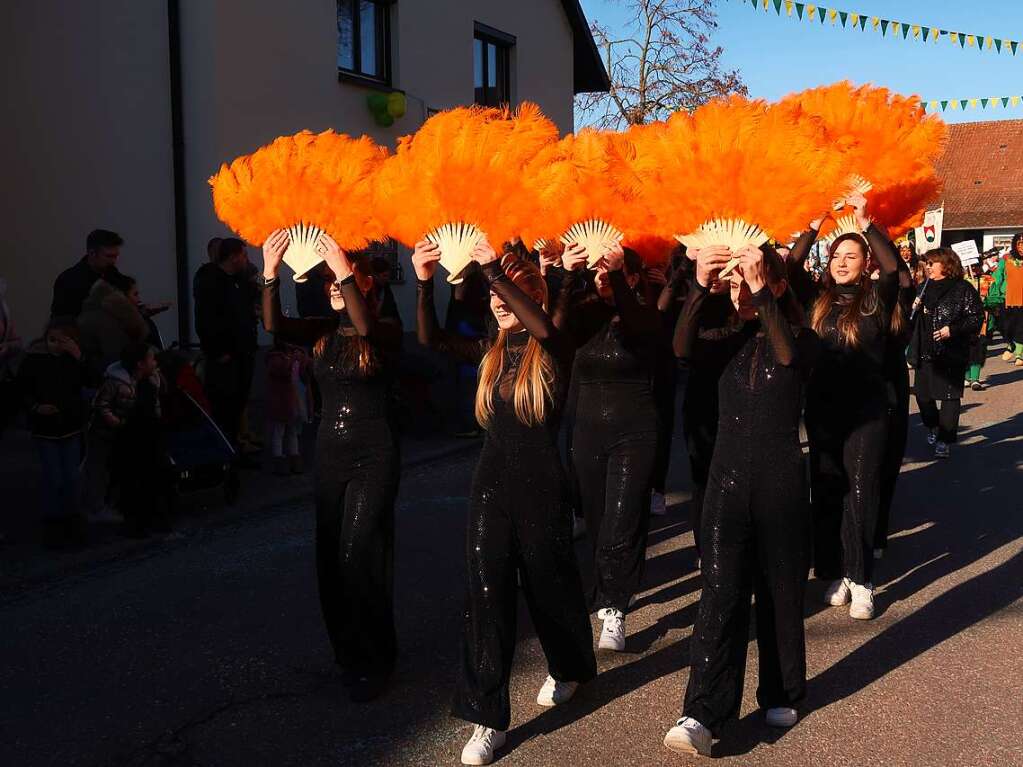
[(612, 635), (482, 745), (837, 593), (781, 717), (862, 607), (554, 693), (932, 436), (658, 505), (941, 449), (689, 737)]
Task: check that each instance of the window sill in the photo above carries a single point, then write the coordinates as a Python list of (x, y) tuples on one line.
[(365, 82)]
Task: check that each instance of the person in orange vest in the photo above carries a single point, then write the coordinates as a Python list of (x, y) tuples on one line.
[(1009, 283)]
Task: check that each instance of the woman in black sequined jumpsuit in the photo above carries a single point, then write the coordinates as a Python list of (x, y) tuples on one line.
[(756, 523), (520, 520), (357, 462), (615, 440), (847, 405)]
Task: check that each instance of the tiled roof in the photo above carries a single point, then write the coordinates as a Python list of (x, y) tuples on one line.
[(983, 173)]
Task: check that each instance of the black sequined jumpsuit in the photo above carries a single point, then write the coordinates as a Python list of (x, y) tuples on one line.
[(847, 423), (519, 522), (356, 475), (756, 524), (617, 423)]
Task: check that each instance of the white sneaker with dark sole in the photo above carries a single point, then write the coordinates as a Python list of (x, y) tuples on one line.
[(862, 607), (554, 693), (941, 449), (781, 717), (837, 594), (689, 737), (482, 745), (612, 634)]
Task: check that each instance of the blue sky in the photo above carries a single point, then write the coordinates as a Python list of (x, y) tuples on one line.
[(777, 55)]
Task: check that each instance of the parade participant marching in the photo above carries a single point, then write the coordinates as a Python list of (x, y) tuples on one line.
[(357, 463), (756, 523), (520, 522), (1009, 285), (615, 439), (949, 317), (847, 406)]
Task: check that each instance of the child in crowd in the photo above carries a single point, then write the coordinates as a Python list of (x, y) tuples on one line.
[(50, 381), (288, 370)]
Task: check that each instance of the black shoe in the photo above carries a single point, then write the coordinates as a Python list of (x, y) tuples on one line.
[(978, 386), (367, 687)]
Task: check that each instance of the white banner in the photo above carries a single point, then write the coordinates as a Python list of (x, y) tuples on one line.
[(929, 235)]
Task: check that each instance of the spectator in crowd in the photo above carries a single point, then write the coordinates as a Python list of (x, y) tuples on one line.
[(1008, 286), (10, 353), (226, 325), (102, 249), (50, 380), (288, 372), (204, 274), (110, 320), (468, 310)]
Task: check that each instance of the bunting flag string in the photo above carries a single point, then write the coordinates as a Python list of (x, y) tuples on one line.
[(994, 102), (812, 13)]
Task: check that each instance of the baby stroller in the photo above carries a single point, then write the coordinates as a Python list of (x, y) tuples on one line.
[(199, 455)]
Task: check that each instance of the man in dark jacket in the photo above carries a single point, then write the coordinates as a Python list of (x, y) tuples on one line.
[(102, 249), (226, 325)]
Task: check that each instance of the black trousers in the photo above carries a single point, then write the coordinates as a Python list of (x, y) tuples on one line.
[(756, 541), (228, 384), (356, 485), (519, 523), (895, 451), (845, 474), (945, 419), (614, 471)]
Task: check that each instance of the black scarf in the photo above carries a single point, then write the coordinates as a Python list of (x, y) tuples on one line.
[(936, 291)]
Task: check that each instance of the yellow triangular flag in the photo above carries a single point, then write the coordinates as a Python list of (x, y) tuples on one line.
[(811, 11), (973, 103), (854, 20), (896, 28), (989, 42), (788, 7), (953, 36), (935, 34), (971, 40), (833, 15), (875, 22), (954, 103), (933, 105), (1014, 100), (916, 31)]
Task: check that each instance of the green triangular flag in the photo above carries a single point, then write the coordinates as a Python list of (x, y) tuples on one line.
[(944, 105), (983, 103), (822, 12), (1013, 44), (905, 31), (925, 31), (963, 103), (884, 27), (799, 10), (1005, 102), (863, 22), (777, 6), (962, 40), (998, 45), (844, 16)]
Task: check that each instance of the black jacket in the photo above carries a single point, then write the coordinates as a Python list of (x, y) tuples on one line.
[(52, 379), (225, 313), (71, 288), (959, 308)]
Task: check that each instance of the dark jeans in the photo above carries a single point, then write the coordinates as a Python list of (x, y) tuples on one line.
[(228, 383), (945, 420), (60, 459)]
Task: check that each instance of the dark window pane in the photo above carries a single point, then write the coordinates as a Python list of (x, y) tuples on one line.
[(491, 65), (345, 34), (477, 63), (368, 39)]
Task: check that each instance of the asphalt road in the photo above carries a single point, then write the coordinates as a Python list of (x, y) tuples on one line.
[(210, 651)]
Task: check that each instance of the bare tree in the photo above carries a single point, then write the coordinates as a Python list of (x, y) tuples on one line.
[(659, 63)]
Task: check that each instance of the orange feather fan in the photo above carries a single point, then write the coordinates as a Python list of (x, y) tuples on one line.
[(460, 177), (891, 143), (306, 183), (736, 171), (584, 190)]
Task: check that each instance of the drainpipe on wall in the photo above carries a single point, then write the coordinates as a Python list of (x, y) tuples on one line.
[(178, 158)]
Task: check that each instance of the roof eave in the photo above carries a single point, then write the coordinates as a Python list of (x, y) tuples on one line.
[(589, 74)]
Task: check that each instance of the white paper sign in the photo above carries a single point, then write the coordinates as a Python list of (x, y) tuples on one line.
[(967, 252)]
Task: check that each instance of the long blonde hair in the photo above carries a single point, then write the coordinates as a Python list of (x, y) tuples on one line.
[(534, 380)]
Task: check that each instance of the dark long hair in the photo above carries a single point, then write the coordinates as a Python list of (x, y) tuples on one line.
[(1016, 239), (864, 303), (359, 354)]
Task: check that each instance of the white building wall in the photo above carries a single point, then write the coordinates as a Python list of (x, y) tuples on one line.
[(87, 144)]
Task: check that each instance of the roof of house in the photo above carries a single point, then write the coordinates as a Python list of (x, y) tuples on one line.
[(982, 168), (590, 74)]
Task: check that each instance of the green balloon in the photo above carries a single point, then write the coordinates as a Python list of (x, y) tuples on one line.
[(377, 103), (396, 104), (383, 119)]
